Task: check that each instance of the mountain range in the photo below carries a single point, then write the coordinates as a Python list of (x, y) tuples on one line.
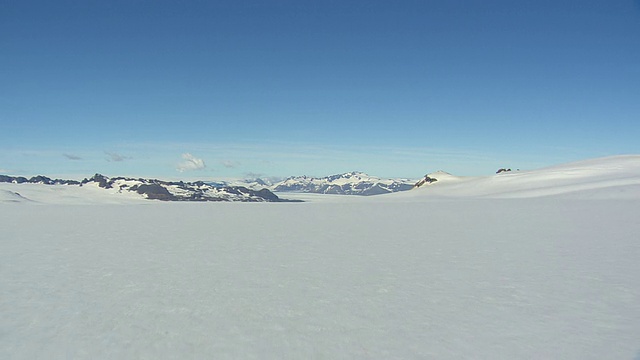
[(592, 176), (154, 189), (248, 190), (351, 183)]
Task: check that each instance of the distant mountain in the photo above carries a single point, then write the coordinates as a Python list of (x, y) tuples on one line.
[(351, 183), (160, 190)]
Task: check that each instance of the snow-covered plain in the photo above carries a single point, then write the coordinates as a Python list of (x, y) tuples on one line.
[(547, 268)]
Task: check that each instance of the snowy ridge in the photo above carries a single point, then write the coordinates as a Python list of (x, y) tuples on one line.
[(351, 183)]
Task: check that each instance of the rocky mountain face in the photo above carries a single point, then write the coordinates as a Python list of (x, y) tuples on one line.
[(160, 190), (352, 183)]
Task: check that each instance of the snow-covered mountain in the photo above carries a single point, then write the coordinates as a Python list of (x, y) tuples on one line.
[(149, 189), (351, 183)]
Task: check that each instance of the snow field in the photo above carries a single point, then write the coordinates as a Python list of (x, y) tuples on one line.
[(445, 279)]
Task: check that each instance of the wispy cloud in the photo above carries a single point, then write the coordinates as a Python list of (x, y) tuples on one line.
[(190, 163), (229, 164), (72, 156), (116, 157)]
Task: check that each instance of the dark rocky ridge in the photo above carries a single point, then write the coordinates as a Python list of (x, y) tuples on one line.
[(40, 179)]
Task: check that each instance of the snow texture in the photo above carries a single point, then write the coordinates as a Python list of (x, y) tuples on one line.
[(412, 275)]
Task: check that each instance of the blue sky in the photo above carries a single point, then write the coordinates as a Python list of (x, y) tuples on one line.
[(215, 89)]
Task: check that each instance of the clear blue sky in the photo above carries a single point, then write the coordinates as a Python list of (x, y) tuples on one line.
[(212, 89)]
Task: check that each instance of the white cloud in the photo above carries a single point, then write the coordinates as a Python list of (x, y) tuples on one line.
[(190, 163)]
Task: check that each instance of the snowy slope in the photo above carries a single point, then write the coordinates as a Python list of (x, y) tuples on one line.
[(412, 275), (604, 177)]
